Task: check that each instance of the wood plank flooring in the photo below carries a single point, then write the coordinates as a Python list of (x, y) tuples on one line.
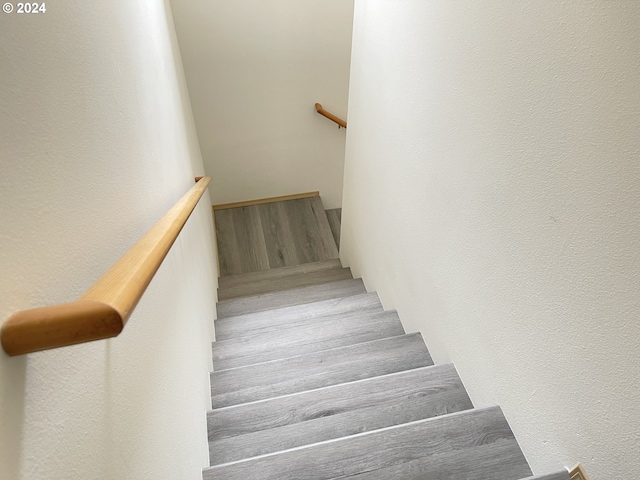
[(313, 379), (347, 409), (497, 460), (334, 216), (317, 370), (272, 235), (247, 280), (241, 244), (286, 282), (422, 443), (285, 298), (256, 322), (305, 337)]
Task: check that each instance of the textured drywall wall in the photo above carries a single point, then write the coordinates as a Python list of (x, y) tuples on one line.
[(255, 69), (97, 141), (492, 196)]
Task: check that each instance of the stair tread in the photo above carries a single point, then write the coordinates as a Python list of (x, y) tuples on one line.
[(313, 416), (494, 461), (442, 447), (305, 337), (562, 475), (297, 296), (284, 283), (319, 369), (228, 281), (250, 323), (314, 380)]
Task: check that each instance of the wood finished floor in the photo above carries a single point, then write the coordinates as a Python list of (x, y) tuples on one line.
[(335, 218), (313, 379), (285, 298), (274, 235), (253, 429), (424, 449), (318, 369)]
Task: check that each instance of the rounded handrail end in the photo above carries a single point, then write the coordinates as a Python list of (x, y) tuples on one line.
[(61, 325)]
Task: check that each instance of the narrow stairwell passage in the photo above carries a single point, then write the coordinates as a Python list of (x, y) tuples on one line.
[(313, 379)]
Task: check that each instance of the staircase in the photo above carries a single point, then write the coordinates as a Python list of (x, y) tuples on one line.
[(313, 379)]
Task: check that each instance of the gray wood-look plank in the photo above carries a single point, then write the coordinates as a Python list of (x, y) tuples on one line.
[(283, 332), (285, 283), (255, 323), (314, 380), (305, 337), (500, 460), (294, 233), (257, 303), (241, 243), (481, 433), (324, 227), (275, 274), (279, 238), (426, 382), (334, 216), (258, 428), (307, 241), (563, 475), (228, 253), (273, 235), (317, 370)]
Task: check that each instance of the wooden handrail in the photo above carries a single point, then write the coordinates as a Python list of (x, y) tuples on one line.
[(330, 116), (103, 310)]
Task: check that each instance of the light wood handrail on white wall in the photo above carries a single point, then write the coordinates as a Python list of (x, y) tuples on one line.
[(103, 311), (330, 116)]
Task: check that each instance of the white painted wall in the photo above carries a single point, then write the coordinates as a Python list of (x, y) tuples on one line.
[(96, 142), (492, 196), (255, 69)]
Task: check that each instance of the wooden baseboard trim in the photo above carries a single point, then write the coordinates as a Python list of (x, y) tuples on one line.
[(261, 201), (578, 473)]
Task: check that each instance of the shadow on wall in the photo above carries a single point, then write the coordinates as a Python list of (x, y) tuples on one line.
[(12, 399)]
